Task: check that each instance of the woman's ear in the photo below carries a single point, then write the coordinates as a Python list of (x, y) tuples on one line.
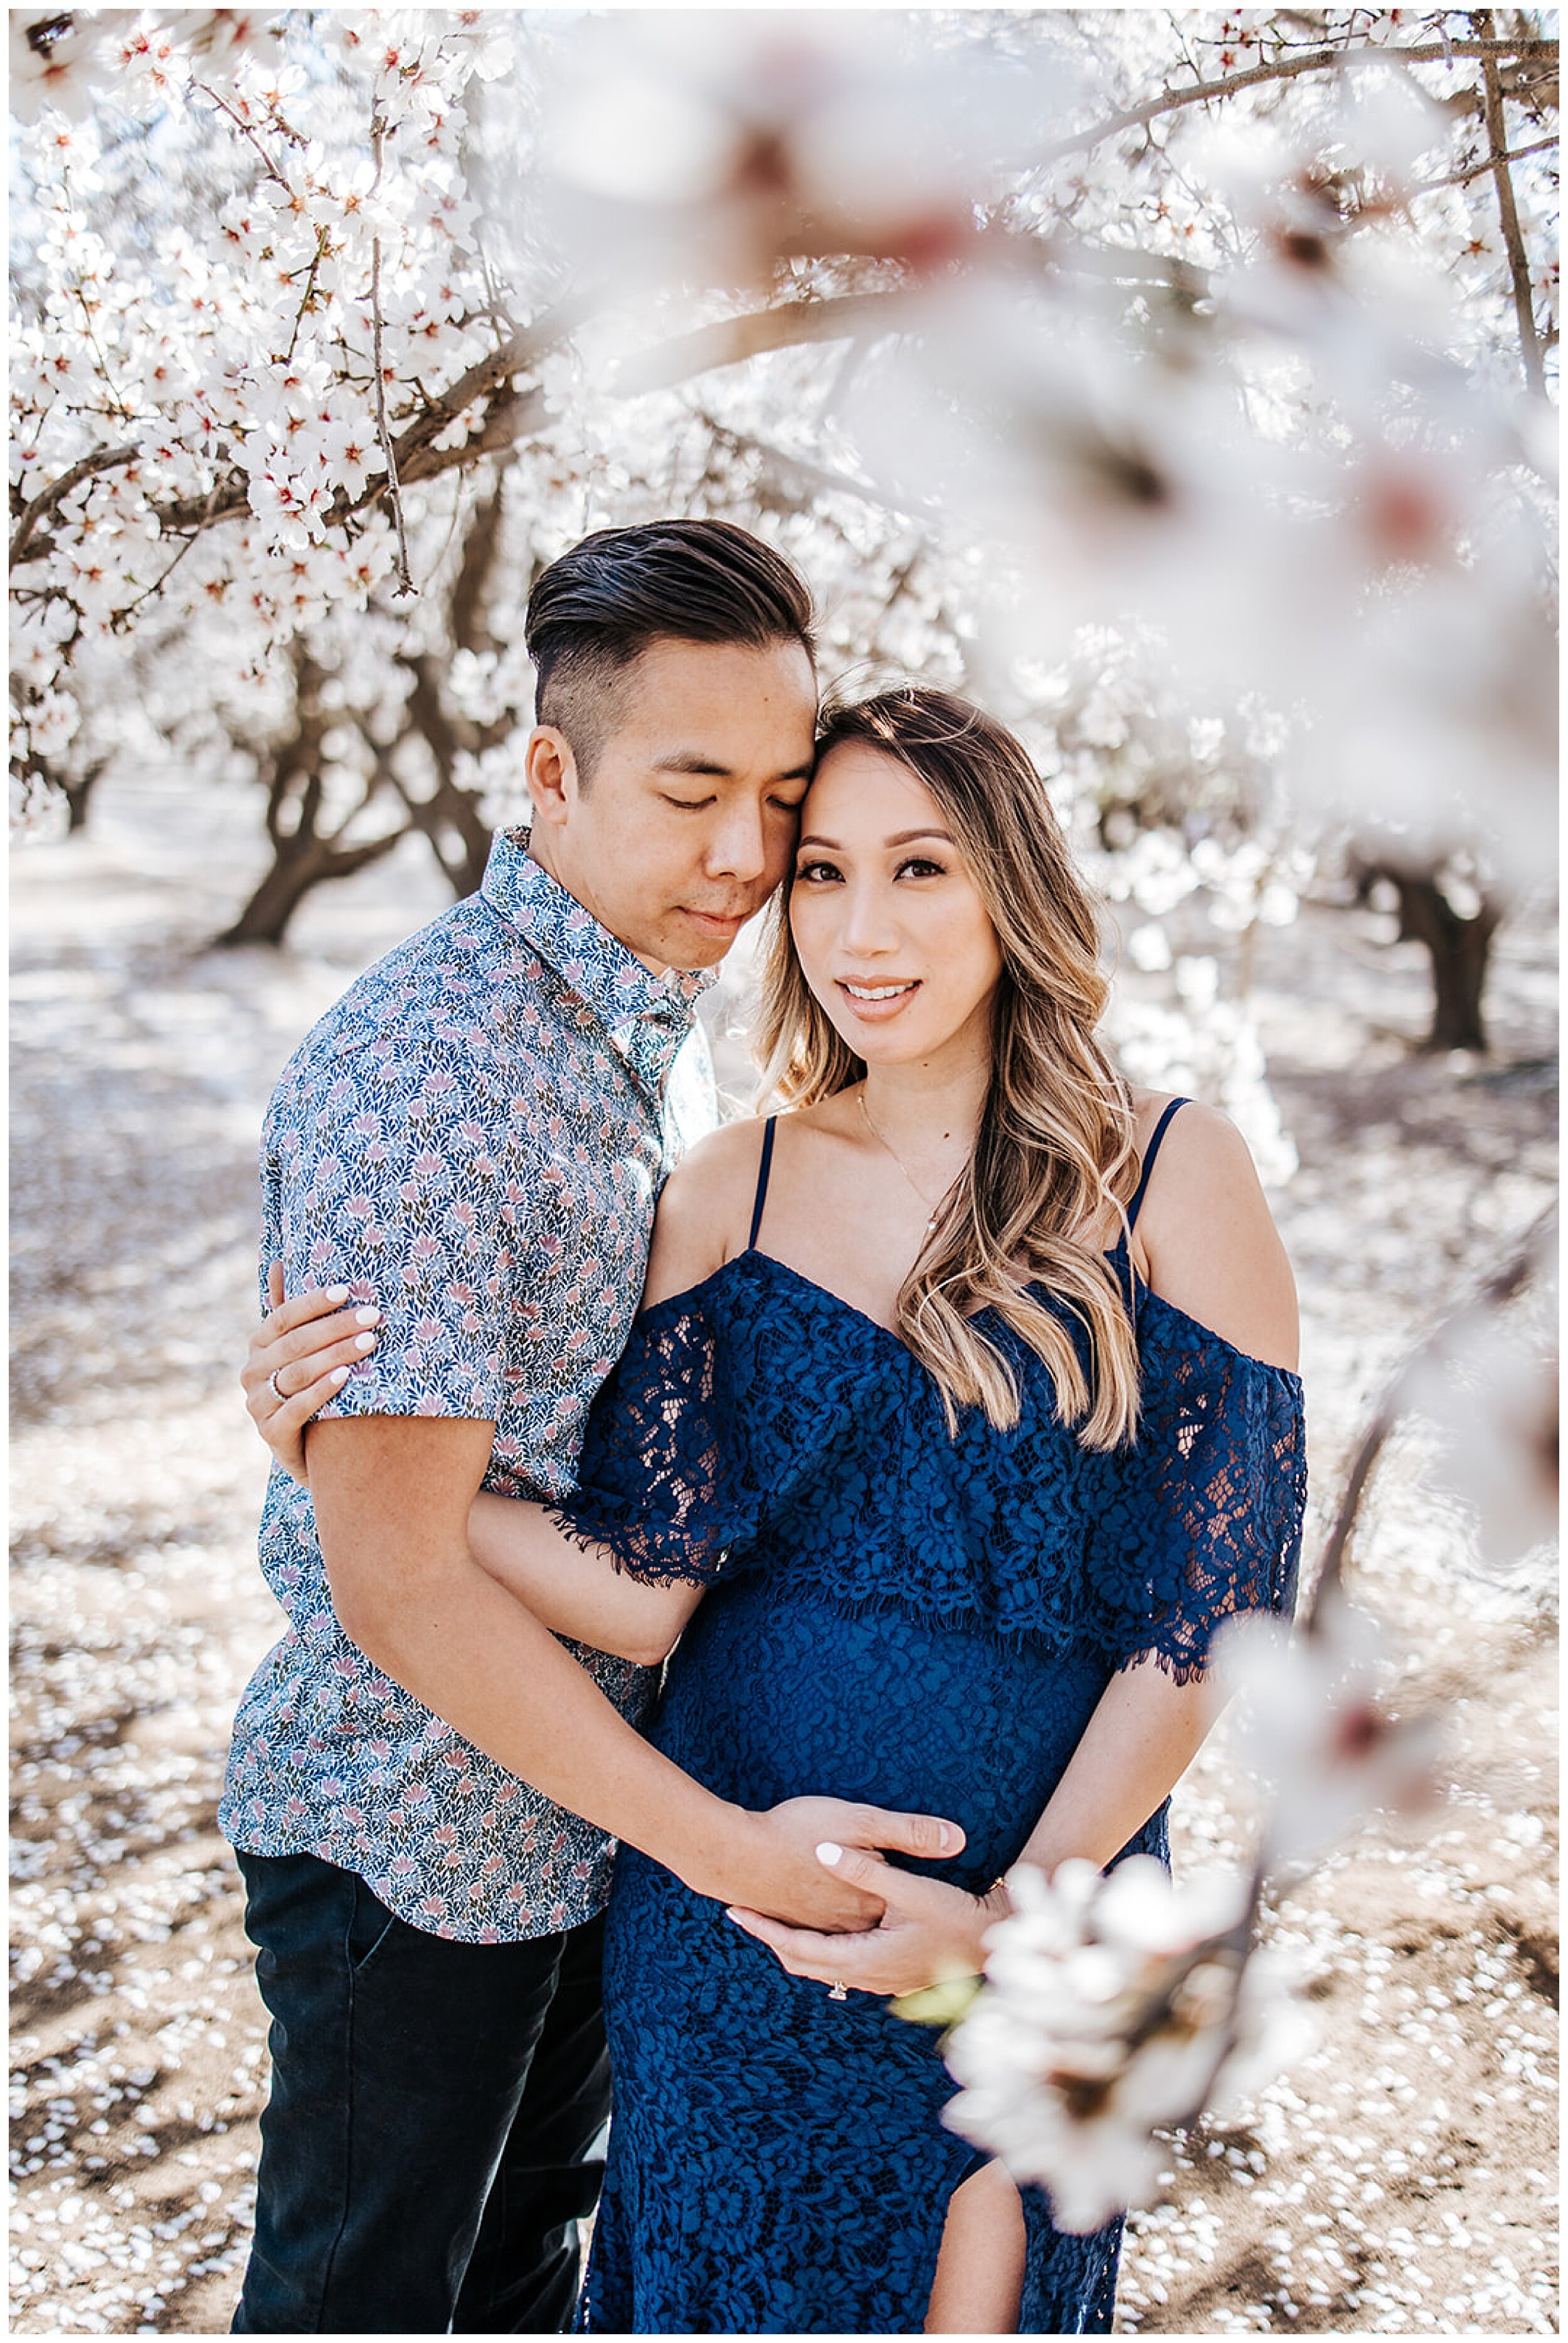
[(551, 772)]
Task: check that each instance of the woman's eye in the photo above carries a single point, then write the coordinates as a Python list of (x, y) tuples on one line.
[(921, 867), (815, 871)]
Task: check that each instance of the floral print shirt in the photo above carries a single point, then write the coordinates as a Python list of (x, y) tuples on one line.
[(474, 1139)]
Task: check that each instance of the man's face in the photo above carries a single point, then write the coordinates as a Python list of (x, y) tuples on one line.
[(689, 819)]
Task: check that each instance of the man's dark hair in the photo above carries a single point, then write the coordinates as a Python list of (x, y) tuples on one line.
[(597, 609)]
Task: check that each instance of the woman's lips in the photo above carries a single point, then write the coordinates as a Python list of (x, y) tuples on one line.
[(878, 1012)]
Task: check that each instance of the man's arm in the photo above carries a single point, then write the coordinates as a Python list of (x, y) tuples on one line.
[(392, 1495)]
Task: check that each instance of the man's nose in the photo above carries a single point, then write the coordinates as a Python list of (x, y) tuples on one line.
[(737, 844)]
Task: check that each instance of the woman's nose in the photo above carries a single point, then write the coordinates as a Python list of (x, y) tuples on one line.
[(869, 923)]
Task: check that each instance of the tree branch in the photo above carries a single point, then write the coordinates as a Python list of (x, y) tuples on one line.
[(101, 459), (755, 330), (1518, 260), (1138, 117)]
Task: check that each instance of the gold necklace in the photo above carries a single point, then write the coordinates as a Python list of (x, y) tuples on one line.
[(933, 1209)]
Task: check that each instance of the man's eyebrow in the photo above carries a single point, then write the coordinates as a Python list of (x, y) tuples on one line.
[(692, 761), (899, 838)]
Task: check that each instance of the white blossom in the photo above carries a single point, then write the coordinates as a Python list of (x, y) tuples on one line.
[(1313, 1726), (1112, 2007)]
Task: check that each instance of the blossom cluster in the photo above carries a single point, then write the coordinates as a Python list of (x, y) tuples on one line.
[(220, 385), (1112, 2006)]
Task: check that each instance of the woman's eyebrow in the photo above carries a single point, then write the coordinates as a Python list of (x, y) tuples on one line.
[(899, 838)]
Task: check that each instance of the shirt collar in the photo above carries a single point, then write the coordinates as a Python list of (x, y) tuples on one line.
[(648, 1017)]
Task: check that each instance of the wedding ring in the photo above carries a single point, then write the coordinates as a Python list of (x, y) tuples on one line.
[(280, 1396), (838, 1990)]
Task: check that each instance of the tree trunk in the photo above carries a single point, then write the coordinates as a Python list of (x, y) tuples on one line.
[(302, 857), (265, 919), (450, 816), (1459, 949), (78, 796)]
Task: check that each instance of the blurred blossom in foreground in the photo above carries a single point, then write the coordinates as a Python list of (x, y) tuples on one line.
[(1312, 1726), (1494, 1404), (710, 147), (1113, 2007), (53, 56)]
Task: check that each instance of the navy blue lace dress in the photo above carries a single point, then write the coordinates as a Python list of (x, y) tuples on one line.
[(895, 1617)]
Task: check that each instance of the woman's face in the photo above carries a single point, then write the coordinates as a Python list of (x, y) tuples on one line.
[(891, 930)]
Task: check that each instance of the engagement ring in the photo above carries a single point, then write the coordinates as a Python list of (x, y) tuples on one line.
[(280, 1396), (838, 1990)]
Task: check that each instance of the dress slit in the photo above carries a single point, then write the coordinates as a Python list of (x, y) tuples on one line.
[(978, 2162)]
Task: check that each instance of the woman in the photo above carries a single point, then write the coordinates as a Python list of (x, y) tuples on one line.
[(970, 1432)]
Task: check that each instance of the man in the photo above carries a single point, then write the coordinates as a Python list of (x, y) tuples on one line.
[(424, 1783)]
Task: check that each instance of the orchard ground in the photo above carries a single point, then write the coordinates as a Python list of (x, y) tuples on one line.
[(1397, 2180)]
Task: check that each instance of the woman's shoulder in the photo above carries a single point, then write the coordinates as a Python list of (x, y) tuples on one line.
[(1206, 1239), (704, 1208)]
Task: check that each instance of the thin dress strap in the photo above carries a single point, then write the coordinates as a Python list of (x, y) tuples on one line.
[(1149, 1152), (763, 1170)]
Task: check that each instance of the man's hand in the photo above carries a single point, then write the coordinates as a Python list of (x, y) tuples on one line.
[(927, 1935), (775, 1875)]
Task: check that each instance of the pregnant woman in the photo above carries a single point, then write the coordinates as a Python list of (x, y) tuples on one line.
[(959, 1413)]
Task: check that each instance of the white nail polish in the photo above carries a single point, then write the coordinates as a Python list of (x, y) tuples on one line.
[(365, 1341), (340, 1374), (828, 1853), (337, 1293), (367, 1317)]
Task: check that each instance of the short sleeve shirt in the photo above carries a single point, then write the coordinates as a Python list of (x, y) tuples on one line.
[(474, 1139)]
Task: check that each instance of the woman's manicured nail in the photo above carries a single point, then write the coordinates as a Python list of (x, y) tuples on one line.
[(365, 1341), (337, 1293), (828, 1853), (367, 1317), (340, 1374)]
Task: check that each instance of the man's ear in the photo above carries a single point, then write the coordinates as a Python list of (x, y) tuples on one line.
[(552, 774)]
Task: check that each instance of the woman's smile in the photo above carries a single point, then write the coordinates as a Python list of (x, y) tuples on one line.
[(876, 1003)]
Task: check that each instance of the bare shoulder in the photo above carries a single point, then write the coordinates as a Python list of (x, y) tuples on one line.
[(704, 1208), (1206, 1236)]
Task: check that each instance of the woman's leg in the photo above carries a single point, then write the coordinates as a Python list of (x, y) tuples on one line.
[(980, 2270)]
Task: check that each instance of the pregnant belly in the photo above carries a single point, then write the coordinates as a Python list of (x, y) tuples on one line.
[(773, 1694)]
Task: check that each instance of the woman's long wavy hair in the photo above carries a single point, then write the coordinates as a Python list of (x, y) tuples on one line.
[(1055, 1149)]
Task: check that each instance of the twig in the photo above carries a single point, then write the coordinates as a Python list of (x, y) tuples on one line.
[(248, 130), (837, 484), (1500, 1287), (404, 581), (101, 459), (1489, 162), (1518, 262), (120, 618), (316, 258)]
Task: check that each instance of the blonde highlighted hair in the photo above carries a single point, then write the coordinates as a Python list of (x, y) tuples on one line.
[(1055, 1152)]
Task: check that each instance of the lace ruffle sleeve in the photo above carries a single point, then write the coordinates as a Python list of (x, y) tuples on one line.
[(666, 1481), (1204, 1520)]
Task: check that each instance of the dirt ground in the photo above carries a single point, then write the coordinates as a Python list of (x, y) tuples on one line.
[(1399, 2179)]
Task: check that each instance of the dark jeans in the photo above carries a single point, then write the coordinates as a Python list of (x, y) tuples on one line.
[(424, 2153)]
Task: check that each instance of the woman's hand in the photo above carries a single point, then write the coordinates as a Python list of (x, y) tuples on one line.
[(309, 1344), (928, 1935)]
